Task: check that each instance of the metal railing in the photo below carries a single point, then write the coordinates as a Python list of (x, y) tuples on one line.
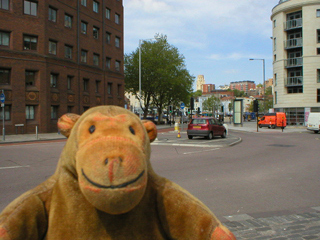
[(293, 43), (291, 24), (293, 81), (293, 62)]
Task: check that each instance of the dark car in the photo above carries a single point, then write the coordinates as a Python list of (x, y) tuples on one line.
[(206, 127)]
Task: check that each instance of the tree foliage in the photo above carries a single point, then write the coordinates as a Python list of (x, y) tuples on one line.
[(211, 104), (164, 77)]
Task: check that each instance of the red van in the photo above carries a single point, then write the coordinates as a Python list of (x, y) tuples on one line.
[(273, 120)]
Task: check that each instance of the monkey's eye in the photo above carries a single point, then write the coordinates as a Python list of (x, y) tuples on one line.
[(132, 130), (92, 129)]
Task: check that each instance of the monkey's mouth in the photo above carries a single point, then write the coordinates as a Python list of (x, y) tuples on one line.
[(122, 185)]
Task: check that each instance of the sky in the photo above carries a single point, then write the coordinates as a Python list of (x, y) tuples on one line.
[(216, 37)]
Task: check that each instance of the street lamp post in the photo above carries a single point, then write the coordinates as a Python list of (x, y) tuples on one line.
[(264, 82), (140, 42)]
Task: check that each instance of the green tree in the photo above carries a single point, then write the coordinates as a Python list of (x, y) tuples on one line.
[(211, 104), (164, 79)]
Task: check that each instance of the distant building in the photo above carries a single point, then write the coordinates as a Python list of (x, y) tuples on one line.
[(58, 57), (245, 86), (207, 88), (200, 82), (296, 58)]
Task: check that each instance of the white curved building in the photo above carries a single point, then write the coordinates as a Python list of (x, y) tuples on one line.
[(296, 58)]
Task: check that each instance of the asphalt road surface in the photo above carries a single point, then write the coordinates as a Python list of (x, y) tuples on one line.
[(267, 174)]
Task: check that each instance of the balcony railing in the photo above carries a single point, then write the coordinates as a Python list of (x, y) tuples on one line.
[(291, 24), (293, 62), (293, 43), (293, 81)]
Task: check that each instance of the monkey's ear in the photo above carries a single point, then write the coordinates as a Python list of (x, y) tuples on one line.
[(151, 129), (66, 123)]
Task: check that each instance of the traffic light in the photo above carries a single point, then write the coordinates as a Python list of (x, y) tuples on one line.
[(192, 103), (170, 109), (255, 106)]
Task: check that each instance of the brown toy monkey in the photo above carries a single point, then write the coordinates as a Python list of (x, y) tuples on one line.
[(105, 188)]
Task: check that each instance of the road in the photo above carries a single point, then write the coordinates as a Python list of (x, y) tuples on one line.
[(267, 174)]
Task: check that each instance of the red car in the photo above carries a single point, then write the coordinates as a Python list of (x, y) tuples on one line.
[(206, 127)]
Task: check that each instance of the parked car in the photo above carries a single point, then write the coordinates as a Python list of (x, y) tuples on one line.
[(314, 122), (206, 127)]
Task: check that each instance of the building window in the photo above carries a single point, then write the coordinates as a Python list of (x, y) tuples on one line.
[(295, 89), (108, 37), (30, 42), (95, 6), (117, 18), (29, 112), (95, 32), (84, 27), (108, 62), (84, 56), (275, 79), (30, 8), (117, 66), (52, 14), (69, 82), (97, 86), (68, 51), (119, 90), (108, 11), (318, 12), (70, 109), (96, 59), (54, 112), (117, 42), (318, 95), (4, 4), (275, 97), (67, 21), (7, 113), (84, 3), (53, 80), (274, 23), (274, 44), (109, 88), (4, 38), (30, 78), (4, 76), (53, 47), (318, 51), (85, 84)]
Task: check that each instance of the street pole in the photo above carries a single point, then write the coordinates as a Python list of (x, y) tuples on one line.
[(3, 128), (140, 77)]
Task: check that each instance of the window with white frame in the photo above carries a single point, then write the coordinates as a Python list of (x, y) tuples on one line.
[(95, 6), (53, 80), (4, 38), (108, 13), (68, 51), (84, 3), (52, 14), (30, 42), (117, 18), (84, 56), (84, 27), (30, 112), (30, 7), (96, 59), (4, 4), (95, 32), (52, 47), (67, 21)]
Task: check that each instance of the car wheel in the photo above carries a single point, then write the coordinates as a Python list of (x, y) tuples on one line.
[(273, 126), (190, 137), (224, 134), (260, 126), (210, 136), (316, 131)]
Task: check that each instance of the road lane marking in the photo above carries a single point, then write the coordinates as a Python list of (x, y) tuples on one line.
[(2, 168), (201, 151)]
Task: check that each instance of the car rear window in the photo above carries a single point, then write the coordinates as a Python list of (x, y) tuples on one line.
[(199, 121)]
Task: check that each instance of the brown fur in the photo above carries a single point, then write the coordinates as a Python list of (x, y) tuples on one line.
[(105, 188)]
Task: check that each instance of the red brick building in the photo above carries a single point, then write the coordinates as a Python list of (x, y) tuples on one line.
[(207, 88), (245, 86), (57, 57)]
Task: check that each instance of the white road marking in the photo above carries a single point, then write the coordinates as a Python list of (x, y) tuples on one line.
[(213, 149), (1, 168)]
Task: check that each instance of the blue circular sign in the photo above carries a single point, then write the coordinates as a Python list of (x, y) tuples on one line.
[(2, 97), (182, 106)]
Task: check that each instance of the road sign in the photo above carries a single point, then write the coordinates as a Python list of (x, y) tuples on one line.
[(2, 97), (182, 106)]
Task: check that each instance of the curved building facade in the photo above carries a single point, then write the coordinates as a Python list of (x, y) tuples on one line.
[(296, 58), (58, 57)]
